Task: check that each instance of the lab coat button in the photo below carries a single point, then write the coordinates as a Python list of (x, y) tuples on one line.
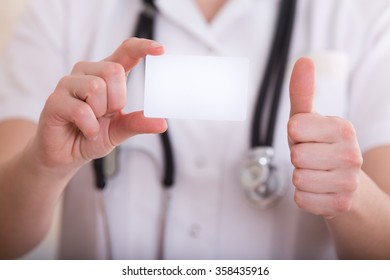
[(195, 231)]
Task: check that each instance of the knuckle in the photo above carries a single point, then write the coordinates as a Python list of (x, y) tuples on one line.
[(80, 111), (358, 160), (113, 69), (298, 199), (136, 45), (126, 42), (346, 128), (342, 203), (349, 182), (348, 131), (78, 66), (292, 128), (297, 178), (295, 155), (95, 85), (352, 157), (302, 201), (130, 41), (53, 98), (63, 82)]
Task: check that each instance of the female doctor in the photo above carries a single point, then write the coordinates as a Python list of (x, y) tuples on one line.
[(65, 101)]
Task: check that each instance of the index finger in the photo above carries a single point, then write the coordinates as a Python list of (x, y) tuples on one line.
[(132, 50)]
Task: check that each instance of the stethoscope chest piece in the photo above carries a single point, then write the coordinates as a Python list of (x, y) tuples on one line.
[(263, 183)]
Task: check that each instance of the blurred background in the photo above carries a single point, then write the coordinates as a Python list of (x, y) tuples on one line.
[(10, 11)]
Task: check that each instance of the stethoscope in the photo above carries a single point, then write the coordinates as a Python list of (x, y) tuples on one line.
[(263, 183)]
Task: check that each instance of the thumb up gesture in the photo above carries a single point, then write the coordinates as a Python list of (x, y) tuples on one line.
[(324, 150)]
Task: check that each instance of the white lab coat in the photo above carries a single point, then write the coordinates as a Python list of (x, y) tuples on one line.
[(208, 216)]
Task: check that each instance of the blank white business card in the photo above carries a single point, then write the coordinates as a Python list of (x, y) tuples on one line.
[(196, 87)]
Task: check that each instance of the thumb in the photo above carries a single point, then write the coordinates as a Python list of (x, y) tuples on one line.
[(302, 86), (128, 125)]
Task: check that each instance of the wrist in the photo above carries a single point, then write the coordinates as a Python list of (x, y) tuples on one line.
[(34, 159)]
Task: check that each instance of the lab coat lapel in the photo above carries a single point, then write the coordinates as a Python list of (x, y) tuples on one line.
[(185, 14)]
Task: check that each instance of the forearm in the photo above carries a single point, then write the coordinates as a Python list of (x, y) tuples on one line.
[(28, 195), (363, 232)]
